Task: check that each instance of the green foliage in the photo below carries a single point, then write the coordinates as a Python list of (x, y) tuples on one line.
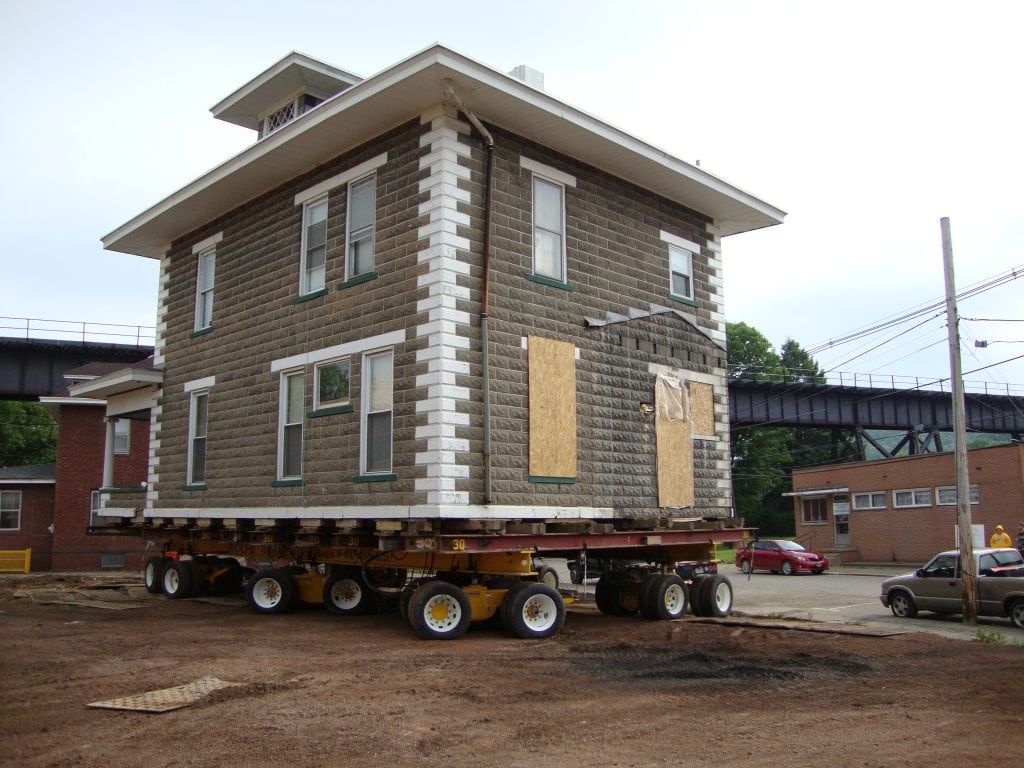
[(28, 434), (989, 636)]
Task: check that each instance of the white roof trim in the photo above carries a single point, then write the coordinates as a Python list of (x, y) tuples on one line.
[(399, 94), (71, 400), (15, 481), (819, 491), (119, 382)]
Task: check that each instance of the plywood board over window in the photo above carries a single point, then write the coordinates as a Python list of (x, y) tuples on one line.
[(674, 444), (702, 408), (552, 371)]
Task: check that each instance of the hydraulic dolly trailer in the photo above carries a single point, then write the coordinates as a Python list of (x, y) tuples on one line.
[(442, 583)]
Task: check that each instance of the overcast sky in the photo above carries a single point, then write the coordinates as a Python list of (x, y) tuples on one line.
[(866, 121)]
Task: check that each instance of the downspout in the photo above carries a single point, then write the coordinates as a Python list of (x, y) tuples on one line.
[(485, 292)]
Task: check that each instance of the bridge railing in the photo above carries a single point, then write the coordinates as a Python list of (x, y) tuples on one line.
[(76, 330), (877, 381)]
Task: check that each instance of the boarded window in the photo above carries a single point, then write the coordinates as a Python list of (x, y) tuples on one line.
[(552, 369), (702, 408), (673, 431)]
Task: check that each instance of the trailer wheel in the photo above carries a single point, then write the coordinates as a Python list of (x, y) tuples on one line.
[(504, 618), (196, 568), (717, 597), (664, 596), (535, 611), (346, 593), (272, 591), (153, 574), (177, 579), (609, 598), (548, 575), (697, 606), (439, 611)]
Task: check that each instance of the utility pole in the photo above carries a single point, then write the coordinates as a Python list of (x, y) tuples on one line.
[(963, 501)]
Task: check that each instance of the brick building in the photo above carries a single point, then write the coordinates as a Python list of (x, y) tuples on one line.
[(435, 293), (905, 509), (26, 511)]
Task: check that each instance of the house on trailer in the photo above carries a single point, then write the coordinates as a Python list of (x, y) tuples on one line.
[(437, 293), (905, 509)]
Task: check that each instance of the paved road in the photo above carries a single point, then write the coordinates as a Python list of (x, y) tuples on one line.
[(846, 595)]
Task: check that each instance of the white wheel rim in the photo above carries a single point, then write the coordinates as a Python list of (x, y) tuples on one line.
[(723, 597), (266, 593), (442, 613), (675, 597), (1017, 614), (171, 580), (539, 612), (346, 594)]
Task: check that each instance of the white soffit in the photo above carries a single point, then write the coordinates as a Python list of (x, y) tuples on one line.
[(405, 91), (118, 382)]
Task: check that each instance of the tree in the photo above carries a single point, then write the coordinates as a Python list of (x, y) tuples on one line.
[(28, 434)]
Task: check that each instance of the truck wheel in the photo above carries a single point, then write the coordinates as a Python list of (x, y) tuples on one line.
[(272, 591), (439, 611), (547, 575), (718, 597), (346, 593), (198, 582), (609, 598), (177, 579), (502, 613), (1016, 613), (647, 586), (153, 574), (696, 601), (902, 605), (535, 611), (664, 597)]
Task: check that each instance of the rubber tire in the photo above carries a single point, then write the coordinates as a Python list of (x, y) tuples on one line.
[(176, 581), (503, 610), (440, 594), (696, 603), (603, 594), (718, 597), (1015, 611), (547, 575), (272, 590), (665, 598), (153, 574), (648, 606), (357, 597), (787, 568), (746, 567), (902, 605), (534, 612), (198, 582)]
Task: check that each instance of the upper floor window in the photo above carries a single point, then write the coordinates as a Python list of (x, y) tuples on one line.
[(912, 497), (377, 411), (198, 417), (287, 112), (681, 268), (122, 436), (362, 212), (314, 245), (10, 510), (206, 261), (548, 229), (292, 413)]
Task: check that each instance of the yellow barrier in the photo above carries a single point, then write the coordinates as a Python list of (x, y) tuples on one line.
[(15, 560)]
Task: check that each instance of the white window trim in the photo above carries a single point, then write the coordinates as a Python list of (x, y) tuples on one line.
[(281, 423), (349, 274), (369, 344), (679, 242), (973, 493), (352, 174), (673, 250), (317, 405), (533, 229), (804, 521), (204, 245), (304, 287), (202, 323), (194, 394), (364, 412), (21, 508), (95, 507), (127, 438), (204, 383), (552, 174), (871, 505), (913, 492)]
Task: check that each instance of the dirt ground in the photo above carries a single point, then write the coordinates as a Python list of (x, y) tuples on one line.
[(323, 690)]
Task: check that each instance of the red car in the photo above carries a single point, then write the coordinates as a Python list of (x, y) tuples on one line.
[(779, 556)]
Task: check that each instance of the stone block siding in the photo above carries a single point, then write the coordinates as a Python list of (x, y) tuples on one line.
[(913, 535), (429, 260), (36, 516)]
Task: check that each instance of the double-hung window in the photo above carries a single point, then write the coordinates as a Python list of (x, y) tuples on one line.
[(197, 425), (204, 288), (10, 510), (815, 511), (362, 212), (548, 229), (122, 435), (681, 267), (314, 245), (293, 390), (378, 373)]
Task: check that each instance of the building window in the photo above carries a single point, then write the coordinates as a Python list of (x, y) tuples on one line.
[(332, 384), (815, 511), (204, 288), (872, 500), (946, 495), (314, 245), (548, 229), (198, 417), (111, 559), (681, 268), (10, 510), (912, 497), (122, 436), (293, 390), (377, 411), (362, 212)]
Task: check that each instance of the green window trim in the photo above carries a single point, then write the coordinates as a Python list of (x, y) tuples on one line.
[(309, 296), (683, 300), (201, 332), (285, 483), (358, 279), (195, 487), (382, 478), (330, 411), (550, 282), (124, 489), (552, 480)]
